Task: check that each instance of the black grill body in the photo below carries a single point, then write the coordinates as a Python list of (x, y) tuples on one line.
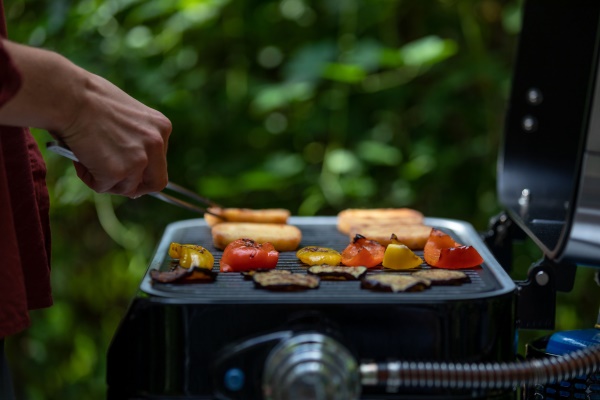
[(178, 341)]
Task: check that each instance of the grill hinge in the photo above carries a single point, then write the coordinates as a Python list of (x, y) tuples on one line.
[(536, 301)]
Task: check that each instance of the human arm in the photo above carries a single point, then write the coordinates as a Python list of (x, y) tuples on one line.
[(121, 144)]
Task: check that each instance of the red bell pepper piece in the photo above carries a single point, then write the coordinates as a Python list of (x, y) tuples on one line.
[(441, 251)]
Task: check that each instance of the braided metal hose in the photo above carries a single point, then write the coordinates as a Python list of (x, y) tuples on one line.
[(397, 374)]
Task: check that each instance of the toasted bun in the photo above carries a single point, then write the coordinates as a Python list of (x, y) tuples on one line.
[(267, 215), (357, 216), (413, 236), (283, 237)]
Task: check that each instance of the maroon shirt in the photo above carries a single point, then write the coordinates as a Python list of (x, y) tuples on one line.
[(24, 221)]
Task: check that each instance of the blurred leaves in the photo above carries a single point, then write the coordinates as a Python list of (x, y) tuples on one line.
[(279, 96), (314, 106), (347, 73), (378, 153), (307, 64)]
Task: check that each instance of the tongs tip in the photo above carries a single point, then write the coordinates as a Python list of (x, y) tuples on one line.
[(212, 208)]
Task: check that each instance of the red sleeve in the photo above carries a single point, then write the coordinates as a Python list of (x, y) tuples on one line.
[(24, 224), (25, 242), (10, 79)]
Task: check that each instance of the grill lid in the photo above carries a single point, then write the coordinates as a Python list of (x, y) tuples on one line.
[(549, 166)]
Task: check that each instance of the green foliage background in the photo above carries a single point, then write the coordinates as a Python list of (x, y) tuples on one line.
[(312, 105)]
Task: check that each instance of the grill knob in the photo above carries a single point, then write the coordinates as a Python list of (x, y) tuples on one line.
[(311, 366)]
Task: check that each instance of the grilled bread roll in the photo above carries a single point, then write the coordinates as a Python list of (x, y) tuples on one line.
[(413, 236), (283, 237), (357, 216), (267, 215)]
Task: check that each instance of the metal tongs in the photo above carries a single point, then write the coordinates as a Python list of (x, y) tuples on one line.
[(63, 150)]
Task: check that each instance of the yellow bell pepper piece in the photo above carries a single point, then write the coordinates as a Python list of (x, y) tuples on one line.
[(174, 250), (314, 255), (398, 256), (192, 256)]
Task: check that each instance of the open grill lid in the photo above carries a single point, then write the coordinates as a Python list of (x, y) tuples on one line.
[(549, 166)]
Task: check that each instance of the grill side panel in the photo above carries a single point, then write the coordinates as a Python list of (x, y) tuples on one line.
[(169, 349)]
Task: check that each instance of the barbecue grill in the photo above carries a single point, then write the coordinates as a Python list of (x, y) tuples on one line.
[(200, 339), (231, 340)]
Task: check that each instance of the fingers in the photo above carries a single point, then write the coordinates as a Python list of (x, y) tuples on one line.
[(84, 175), (134, 182), (121, 144), (134, 185), (154, 177), (134, 174)]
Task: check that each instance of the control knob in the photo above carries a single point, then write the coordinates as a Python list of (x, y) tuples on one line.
[(311, 366)]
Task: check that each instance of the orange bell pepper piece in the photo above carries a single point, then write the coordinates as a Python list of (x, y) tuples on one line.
[(363, 252)]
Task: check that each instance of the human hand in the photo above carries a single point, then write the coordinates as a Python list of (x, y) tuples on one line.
[(121, 144)]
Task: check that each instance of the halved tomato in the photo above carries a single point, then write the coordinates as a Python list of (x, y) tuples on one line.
[(246, 254), (442, 251), (363, 252)]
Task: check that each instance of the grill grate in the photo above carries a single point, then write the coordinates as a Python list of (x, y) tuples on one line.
[(233, 288)]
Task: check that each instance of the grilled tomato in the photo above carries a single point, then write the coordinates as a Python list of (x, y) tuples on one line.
[(442, 251), (246, 254), (319, 256), (191, 255), (363, 251), (399, 256)]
